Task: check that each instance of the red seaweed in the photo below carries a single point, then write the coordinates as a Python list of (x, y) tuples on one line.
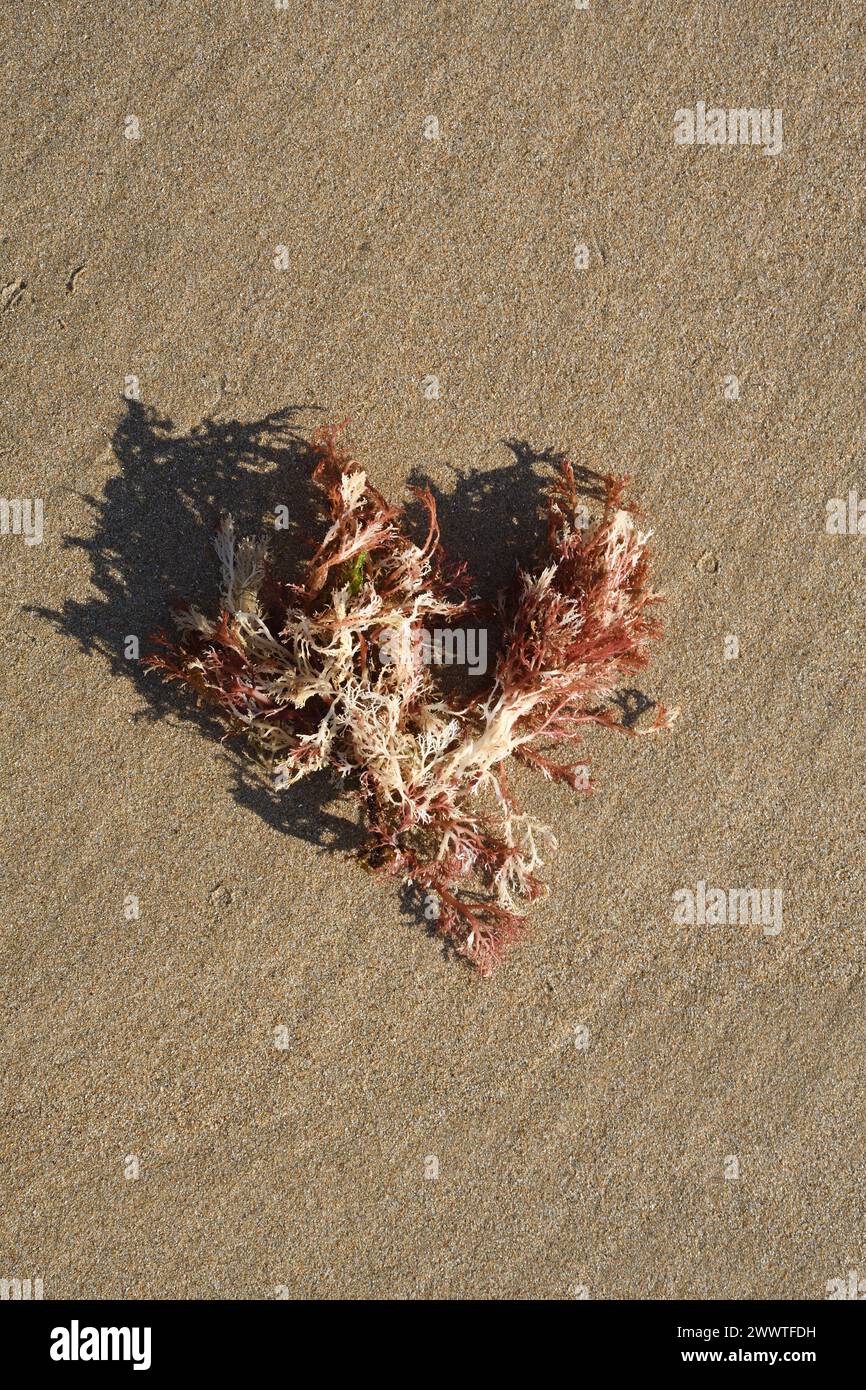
[(327, 673)]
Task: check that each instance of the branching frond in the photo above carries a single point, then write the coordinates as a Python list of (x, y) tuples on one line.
[(329, 673)]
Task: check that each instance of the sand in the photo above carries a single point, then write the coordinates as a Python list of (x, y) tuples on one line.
[(241, 1092)]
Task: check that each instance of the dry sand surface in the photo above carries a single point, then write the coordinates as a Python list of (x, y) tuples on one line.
[(608, 1168)]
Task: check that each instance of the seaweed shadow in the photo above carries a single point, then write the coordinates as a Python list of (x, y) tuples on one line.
[(150, 542)]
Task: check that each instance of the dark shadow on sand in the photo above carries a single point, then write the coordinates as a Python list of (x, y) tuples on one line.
[(150, 543)]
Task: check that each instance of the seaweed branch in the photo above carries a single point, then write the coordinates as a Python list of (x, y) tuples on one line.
[(330, 672)]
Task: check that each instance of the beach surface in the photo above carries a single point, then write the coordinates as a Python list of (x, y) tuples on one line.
[(235, 1065)]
